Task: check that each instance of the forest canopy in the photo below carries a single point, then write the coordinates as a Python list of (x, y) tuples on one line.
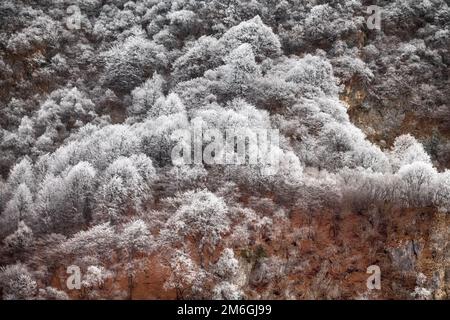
[(93, 94)]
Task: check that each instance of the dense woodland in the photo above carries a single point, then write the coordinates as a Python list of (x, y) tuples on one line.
[(91, 92)]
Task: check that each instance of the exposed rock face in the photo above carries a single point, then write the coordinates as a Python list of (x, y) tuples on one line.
[(382, 124), (404, 257), (329, 261)]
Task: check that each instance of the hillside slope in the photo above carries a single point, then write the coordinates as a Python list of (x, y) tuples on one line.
[(208, 150)]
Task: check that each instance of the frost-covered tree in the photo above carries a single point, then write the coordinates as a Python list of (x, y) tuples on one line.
[(227, 291), (205, 54), (146, 95), (184, 22), (442, 190), (93, 280), (41, 30), (99, 146), (420, 291), (50, 293), (67, 108), (129, 64), (145, 168), (21, 239), (53, 213), (319, 193), (264, 42), (267, 270), (135, 238), (17, 282), (324, 23), (156, 136), (98, 241), (239, 73), (335, 143), (20, 207), (22, 173), (417, 183), (113, 19), (80, 184), (185, 276), (186, 177), (407, 150), (227, 266), (200, 216), (112, 198), (166, 106), (123, 189), (3, 194), (313, 74)]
